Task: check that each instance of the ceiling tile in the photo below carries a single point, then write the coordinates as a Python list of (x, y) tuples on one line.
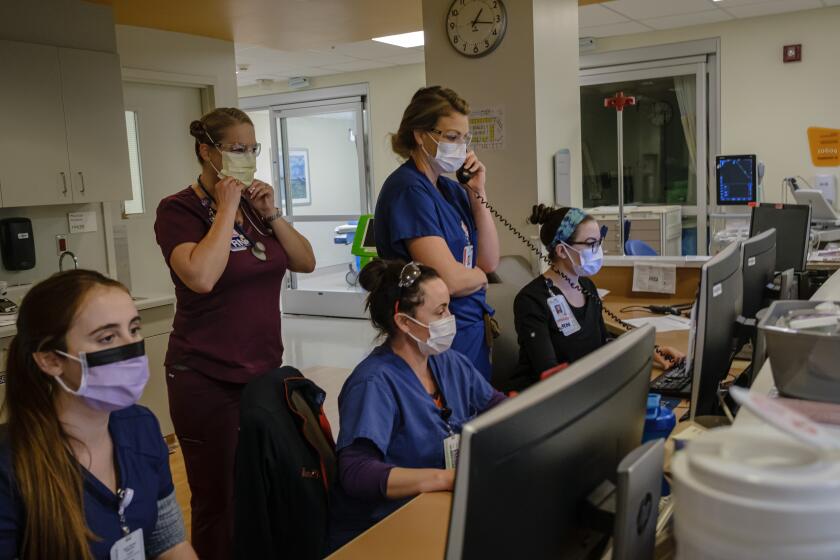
[(686, 20), (644, 9), (356, 66), (368, 50), (612, 30), (773, 7), (407, 58), (594, 14)]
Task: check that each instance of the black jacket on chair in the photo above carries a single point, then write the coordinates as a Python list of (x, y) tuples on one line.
[(285, 464)]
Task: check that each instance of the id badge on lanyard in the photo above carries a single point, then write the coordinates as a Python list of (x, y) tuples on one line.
[(469, 249), (563, 316), (450, 450), (131, 545)]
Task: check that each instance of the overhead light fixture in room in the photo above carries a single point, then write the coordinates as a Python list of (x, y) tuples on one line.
[(405, 40)]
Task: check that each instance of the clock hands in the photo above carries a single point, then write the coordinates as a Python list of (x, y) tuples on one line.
[(478, 15)]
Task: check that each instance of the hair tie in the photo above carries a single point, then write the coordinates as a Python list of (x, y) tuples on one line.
[(570, 222)]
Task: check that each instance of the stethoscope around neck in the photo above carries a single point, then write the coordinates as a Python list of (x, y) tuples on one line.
[(257, 247)]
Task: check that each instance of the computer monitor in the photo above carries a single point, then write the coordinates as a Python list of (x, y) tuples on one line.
[(526, 467), (822, 212), (364, 242), (792, 223), (758, 263), (736, 180), (711, 343)]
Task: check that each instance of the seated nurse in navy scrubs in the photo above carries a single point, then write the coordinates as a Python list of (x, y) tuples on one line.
[(84, 471), (424, 216), (403, 403)]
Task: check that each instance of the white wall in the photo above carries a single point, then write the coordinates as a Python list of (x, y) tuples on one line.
[(766, 106), (164, 52), (390, 89)]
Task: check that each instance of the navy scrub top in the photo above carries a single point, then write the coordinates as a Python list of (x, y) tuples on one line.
[(410, 206), (143, 462), (384, 401)]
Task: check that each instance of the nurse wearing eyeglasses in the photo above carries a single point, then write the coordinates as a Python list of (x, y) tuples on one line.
[(558, 315), (424, 216), (228, 248), (402, 408)]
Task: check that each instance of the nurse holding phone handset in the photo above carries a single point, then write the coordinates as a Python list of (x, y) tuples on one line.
[(424, 216)]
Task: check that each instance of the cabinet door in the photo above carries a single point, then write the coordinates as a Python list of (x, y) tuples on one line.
[(96, 137), (33, 145), (155, 396)]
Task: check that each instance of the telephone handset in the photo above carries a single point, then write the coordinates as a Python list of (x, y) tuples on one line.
[(464, 175)]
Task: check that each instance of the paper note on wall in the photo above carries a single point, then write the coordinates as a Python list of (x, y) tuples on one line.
[(487, 127), (82, 222), (825, 146), (657, 278)]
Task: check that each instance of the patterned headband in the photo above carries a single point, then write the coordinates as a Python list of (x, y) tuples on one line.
[(570, 222)]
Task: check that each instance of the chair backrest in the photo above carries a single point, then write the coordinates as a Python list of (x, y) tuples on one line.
[(638, 248), (513, 272)]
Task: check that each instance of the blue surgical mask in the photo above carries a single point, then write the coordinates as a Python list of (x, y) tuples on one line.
[(590, 260)]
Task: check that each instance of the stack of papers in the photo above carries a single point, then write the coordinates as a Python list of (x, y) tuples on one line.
[(8, 319)]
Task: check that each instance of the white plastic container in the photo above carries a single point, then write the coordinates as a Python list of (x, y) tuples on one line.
[(755, 494)]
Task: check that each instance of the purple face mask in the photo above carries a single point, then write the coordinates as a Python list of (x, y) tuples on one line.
[(112, 379)]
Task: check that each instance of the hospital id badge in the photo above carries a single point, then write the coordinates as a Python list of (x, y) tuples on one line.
[(469, 250), (450, 450), (563, 316), (130, 547)]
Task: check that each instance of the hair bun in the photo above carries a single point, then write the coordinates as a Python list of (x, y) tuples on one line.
[(540, 214), (374, 275), (197, 129)]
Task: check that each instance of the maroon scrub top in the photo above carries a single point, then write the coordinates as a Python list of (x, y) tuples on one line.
[(233, 332)]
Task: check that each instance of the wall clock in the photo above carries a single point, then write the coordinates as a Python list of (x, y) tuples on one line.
[(476, 27)]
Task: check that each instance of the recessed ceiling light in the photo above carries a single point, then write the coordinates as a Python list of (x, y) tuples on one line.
[(405, 40)]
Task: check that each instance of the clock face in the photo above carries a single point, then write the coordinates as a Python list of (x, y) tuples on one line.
[(476, 27)]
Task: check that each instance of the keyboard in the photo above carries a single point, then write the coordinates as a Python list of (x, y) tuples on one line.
[(675, 382)]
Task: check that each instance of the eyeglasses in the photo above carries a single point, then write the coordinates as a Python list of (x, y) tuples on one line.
[(409, 274), (240, 148), (453, 137), (593, 245)]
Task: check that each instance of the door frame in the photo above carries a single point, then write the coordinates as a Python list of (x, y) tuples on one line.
[(705, 52)]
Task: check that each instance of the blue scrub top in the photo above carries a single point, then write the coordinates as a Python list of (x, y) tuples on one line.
[(410, 206), (384, 401), (143, 462)]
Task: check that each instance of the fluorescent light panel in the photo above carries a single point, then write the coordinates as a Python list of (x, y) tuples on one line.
[(405, 40)]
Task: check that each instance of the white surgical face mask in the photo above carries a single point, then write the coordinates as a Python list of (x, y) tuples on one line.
[(240, 166), (441, 334), (450, 156), (590, 260)]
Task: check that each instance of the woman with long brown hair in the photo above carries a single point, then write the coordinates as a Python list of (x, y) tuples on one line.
[(84, 471)]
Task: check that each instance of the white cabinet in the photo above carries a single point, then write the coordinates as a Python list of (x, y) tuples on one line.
[(34, 167), (658, 226), (63, 136), (91, 84)]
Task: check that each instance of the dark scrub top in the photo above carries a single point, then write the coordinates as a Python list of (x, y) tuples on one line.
[(410, 206), (385, 403), (142, 460), (232, 333), (541, 344)]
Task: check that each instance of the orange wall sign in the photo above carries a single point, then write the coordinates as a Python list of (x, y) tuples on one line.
[(825, 146)]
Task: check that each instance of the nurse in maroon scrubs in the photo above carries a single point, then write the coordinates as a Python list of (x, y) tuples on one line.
[(227, 247)]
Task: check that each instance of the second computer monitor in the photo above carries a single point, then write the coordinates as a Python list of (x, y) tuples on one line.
[(713, 334), (758, 262), (792, 223), (526, 467), (736, 180)]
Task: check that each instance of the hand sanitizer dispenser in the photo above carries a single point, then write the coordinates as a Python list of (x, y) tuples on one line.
[(828, 185)]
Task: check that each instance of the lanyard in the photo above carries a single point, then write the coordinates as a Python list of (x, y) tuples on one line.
[(257, 247)]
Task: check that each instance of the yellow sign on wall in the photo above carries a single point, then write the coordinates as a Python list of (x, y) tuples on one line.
[(825, 146)]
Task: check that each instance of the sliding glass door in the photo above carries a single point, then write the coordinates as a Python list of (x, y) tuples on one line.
[(318, 166), (664, 136)]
